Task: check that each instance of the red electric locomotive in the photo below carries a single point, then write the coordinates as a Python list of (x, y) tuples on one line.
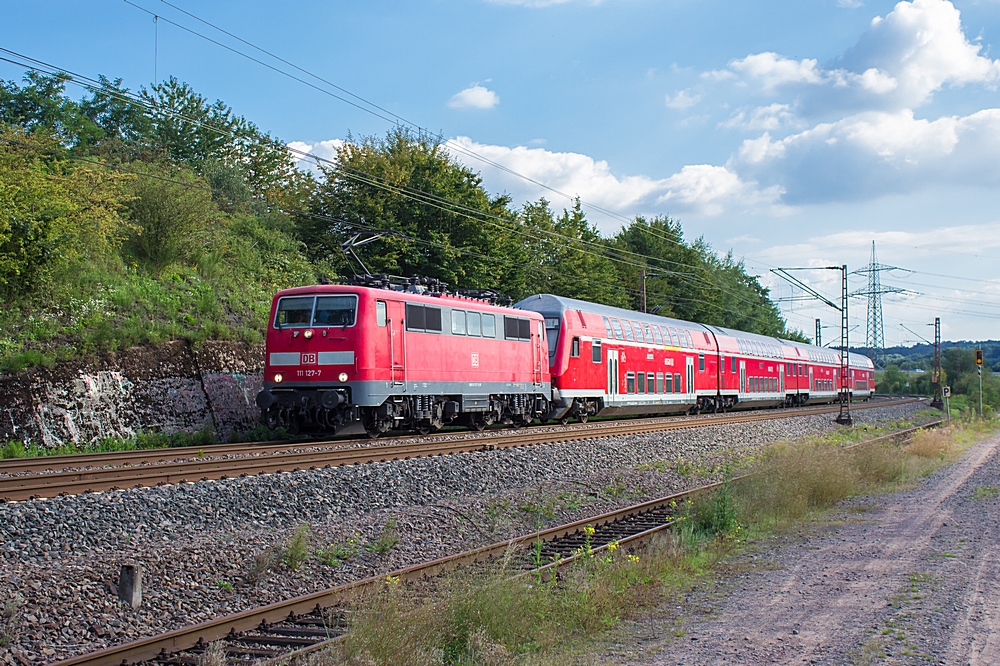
[(373, 358)]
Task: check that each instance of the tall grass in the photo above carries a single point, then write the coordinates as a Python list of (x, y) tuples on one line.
[(138, 441)]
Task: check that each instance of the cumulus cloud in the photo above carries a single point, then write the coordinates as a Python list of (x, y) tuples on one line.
[(474, 97), (302, 153), (899, 62), (705, 189), (683, 100), (849, 4), (874, 153), (771, 117)]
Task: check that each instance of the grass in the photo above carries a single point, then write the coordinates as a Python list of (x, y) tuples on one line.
[(10, 616), (986, 492), (492, 617), (296, 550), (386, 541), (262, 565), (337, 553), (138, 441)]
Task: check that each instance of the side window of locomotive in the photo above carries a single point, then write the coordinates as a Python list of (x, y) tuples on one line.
[(474, 323), (380, 313), (294, 311), (616, 325), (656, 335), (607, 328), (489, 326), (423, 318), (595, 351), (335, 310), (515, 328), (458, 322), (575, 348)]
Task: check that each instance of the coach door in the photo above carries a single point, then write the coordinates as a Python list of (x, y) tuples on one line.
[(612, 375), (743, 377), (537, 340), (690, 374), (781, 376), (811, 386), (397, 342)]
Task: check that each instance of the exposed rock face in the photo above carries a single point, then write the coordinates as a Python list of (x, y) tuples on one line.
[(170, 388)]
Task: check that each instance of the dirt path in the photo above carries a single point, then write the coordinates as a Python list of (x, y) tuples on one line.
[(907, 578)]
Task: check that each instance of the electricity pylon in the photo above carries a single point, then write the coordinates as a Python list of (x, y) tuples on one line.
[(875, 339)]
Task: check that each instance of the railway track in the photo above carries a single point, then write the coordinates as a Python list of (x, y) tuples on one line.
[(285, 631), (146, 468)]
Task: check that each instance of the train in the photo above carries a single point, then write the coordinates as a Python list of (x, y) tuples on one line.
[(382, 355)]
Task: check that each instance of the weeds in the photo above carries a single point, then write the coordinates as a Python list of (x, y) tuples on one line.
[(296, 550), (335, 554), (137, 442), (263, 563), (10, 617), (215, 655), (224, 585), (986, 492), (386, 541)]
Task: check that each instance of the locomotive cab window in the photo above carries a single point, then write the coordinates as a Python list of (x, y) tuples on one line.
[(335, 310), (294, 311), (595, 351), (458, 322), (380, 313), (575, 348)]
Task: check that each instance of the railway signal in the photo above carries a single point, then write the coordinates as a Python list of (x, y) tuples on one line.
[(979, 357)]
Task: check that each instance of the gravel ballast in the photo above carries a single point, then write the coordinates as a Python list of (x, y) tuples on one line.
[(197, 541)]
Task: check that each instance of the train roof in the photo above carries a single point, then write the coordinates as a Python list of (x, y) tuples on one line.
[(552, 303), (427, 298)]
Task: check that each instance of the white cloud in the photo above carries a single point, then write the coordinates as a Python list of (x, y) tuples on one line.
[(771, 117), (899, 62), (705, 189), (326, 150), (875, 153), (683, 100), (474, 97), (849, 4), (539, 3)]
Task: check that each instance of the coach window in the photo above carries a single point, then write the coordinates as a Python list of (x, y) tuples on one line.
[(641, 387), (639, 335), (732, 364), (575, 348), (677, 383), (670, 383), (296, 311), (380, 313), (595, 351), (659, 382), (630, 382), (629, 335), (489, 326), (673, 337), (474, 323), (656, 335), (650, 383), (458, 322), (607, 328), (616, 325), (701, 363), (649, 333)]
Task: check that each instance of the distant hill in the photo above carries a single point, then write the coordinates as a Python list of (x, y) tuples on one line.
[(922, 355)]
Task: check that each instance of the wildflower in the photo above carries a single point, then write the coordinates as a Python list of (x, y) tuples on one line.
[(633, 558), (391, 580), (588, 530), (613, 546)]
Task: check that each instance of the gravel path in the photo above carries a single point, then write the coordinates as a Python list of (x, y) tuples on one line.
[(197, 542), (906, 578)]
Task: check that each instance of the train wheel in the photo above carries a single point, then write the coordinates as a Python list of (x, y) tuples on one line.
[(584, 417), (373, 433), (423, 430), (564, 420), (478, 425)]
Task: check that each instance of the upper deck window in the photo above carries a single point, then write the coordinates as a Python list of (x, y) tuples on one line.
[(616, 325), (628, 330), (656, 335), (304, 311), (607, 328)]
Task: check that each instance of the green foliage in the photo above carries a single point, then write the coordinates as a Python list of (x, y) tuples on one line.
[(337, 553), (386, 541), (138, 441), (138, 217), (296, 550)]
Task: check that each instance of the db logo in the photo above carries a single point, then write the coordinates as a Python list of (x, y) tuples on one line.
[(475, 360), (308, 359)]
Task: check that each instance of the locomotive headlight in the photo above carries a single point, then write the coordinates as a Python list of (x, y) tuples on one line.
[(278, 378), (308, 334), (343, 377)]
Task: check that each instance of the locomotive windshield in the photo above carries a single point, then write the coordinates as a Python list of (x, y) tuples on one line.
[(302, 311)]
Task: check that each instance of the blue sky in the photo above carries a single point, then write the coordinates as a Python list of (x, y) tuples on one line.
[(793, 133)]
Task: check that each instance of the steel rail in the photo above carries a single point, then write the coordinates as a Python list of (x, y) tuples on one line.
[(33, 486), (161, 455), (236, 625)]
